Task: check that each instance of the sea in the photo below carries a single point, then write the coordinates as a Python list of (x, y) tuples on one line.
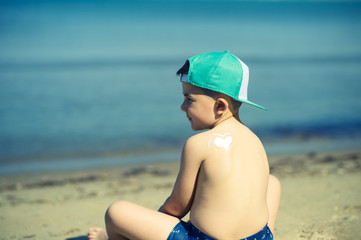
[(88, 84)]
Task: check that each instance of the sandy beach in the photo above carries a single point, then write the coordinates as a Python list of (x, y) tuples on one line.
[(321, 197)]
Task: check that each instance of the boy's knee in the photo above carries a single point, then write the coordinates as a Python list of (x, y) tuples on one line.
[(274, 189), (116, 211), (274, 183)]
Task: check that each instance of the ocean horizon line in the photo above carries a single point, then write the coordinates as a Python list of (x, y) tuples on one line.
[(162, 61)]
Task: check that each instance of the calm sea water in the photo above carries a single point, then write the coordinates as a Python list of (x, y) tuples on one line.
[(91, 83)]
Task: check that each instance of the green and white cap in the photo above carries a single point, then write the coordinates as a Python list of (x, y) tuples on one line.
[(221, 72)]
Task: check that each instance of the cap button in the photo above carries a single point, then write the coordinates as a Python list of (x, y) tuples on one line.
[(227, 51)]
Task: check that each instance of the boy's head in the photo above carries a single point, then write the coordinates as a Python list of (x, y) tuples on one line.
[(218, 72)]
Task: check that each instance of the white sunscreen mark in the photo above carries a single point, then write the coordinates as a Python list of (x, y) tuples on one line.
[(220, 141)]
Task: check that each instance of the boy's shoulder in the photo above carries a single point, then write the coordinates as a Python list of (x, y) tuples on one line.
[(197, 144), (198, 140), (222, 137), (218, 142), (201, 137), (201, 142)]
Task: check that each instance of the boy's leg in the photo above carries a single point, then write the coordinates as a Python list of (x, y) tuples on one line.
[(125, 220), (273, 200)]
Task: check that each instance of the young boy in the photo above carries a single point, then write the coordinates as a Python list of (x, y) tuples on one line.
[(223, 179)]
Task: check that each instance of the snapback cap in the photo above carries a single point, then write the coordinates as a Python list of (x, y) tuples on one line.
[(221, 72)]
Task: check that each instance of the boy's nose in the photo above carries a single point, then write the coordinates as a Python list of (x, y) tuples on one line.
[(182, 107)]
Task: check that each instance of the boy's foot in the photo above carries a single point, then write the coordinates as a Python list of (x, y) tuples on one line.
[(96, 233)]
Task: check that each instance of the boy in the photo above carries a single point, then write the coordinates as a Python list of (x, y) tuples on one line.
[(223, 179)]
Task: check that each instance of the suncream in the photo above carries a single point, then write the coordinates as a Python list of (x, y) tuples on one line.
[(220, 142)]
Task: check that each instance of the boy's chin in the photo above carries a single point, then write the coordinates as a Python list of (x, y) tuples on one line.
[(198, 128), (194, 128)]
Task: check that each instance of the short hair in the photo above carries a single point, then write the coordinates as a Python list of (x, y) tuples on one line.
[(213, 94)]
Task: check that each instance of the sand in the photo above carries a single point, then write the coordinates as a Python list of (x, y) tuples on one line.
[(321, 197)]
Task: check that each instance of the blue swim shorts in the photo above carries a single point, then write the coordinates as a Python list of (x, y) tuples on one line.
[(186, 231)]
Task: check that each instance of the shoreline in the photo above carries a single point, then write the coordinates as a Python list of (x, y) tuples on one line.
[(320, 199)]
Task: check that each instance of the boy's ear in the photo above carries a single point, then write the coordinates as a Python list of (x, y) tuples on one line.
[(221, 105)]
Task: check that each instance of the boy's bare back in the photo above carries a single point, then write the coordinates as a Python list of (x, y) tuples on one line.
[(230, 197)]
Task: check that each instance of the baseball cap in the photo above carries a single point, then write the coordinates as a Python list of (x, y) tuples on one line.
[(221, 72)]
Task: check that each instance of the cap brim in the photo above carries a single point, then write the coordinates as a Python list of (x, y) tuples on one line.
[(253, 104)]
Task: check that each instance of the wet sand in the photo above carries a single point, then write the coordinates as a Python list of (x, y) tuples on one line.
[(321, 197)]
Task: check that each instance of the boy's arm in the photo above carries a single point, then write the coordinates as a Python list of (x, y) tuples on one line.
[(180, 201)]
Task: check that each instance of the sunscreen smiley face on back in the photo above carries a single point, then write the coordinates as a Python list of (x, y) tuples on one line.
[(220, 142)]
